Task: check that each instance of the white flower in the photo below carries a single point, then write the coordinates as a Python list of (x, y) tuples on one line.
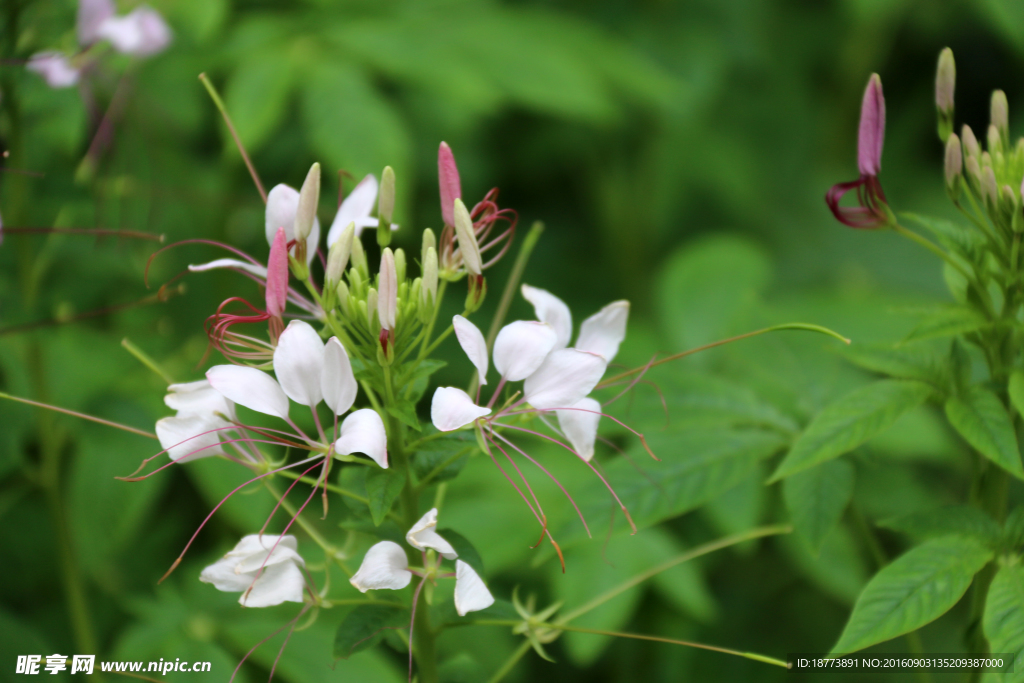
[(386, 566), (280, 580), (602, 334), (141, 33), (55, 69), (197, 429), (282, 207), (308, 372), (523, 350)]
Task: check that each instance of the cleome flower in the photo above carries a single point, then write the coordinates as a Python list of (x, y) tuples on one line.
[(266, 569), (195, 431), (556, 378), (873, 210), (386, 566)]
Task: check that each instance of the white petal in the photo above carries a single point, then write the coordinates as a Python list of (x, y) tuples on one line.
[(223, 577), (91, 15), (338, 383), (521, 347), (471, 595), (452, 408), (276, 584), (255, 269), (141, 33), (551, 310), (299, 363), (261, 543), (423, 535), (190, 437), (282, 205), (471, 339), (580, 426), (385, 566), (602, 332), (363, 432), (565, 377), (355, 208), (249, 387), (198, 398), (55, 69)]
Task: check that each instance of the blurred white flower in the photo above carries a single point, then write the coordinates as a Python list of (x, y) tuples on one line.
[(264, 568)]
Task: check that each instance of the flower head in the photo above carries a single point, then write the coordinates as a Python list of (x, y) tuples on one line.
[(266, 569), (872, 210), (195, 431), (55, 68)]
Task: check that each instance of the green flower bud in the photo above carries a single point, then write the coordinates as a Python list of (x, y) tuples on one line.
[(400, 264), (342, 294), (954, 165), (995, 140), (309, 197), (429, 291), (971, 146), (371, 309), (385, 206), (338, 255), (945, 83), (1000, 113), (466, 235), (429, 242), (358, 258)]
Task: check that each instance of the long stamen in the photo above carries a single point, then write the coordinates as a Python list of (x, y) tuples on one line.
[(590, 465), (217, 507), (412, 621), (551, 476)]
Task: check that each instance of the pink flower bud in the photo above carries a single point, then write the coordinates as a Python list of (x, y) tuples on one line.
[(872, 128), (277, 275), (971, 146), (448, 179)]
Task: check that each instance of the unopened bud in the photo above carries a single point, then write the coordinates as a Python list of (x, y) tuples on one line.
[(309, 196), (954, 164), (945, 83), (989, 188), (342, 292), (277, 275), (371, 309), (338, 255), (995, 141), (448, 181), (477, 291), (430, 279), (973, 169), (387, 300), (971, 146), (358, 258), (1000, 113), (385, 206), (429, 242), (466, 236)]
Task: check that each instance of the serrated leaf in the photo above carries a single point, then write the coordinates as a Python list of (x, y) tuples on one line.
[(917, 588), (467, 553), (955, 519), (1003, 621), (362, 628), (981, 418), (948, 322), (850, 421), (817, 497), (382, 488), (915, 361)]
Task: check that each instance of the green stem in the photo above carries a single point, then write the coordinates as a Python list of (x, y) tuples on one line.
[(721, 543), (682, 354), (511, 662), (83, 416), (334, 489), (433, 319), (529, 242), (144, 358), (234, 134)]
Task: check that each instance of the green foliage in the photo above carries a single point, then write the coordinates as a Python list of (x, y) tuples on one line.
[(1004, 616), (956, 519), (363, 627), (917, 588), (382, 488), (981, 418), (817, 497), (849, 422)]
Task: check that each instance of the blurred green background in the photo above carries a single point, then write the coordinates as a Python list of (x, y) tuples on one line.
[(678, 153)]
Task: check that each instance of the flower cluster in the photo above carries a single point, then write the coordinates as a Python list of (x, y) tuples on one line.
[(140, 33)]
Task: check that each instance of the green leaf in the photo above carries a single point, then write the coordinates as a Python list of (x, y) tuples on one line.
[(1003, 621), (406, 412), (382, 488), (955, 519), (916, 361), (850, 421), (948, 322), (917, 588), (420, 378), (698, 465), (442, 459), (981, 418), (361, 629), (467, 553), (817, 497), (1012, 535)]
